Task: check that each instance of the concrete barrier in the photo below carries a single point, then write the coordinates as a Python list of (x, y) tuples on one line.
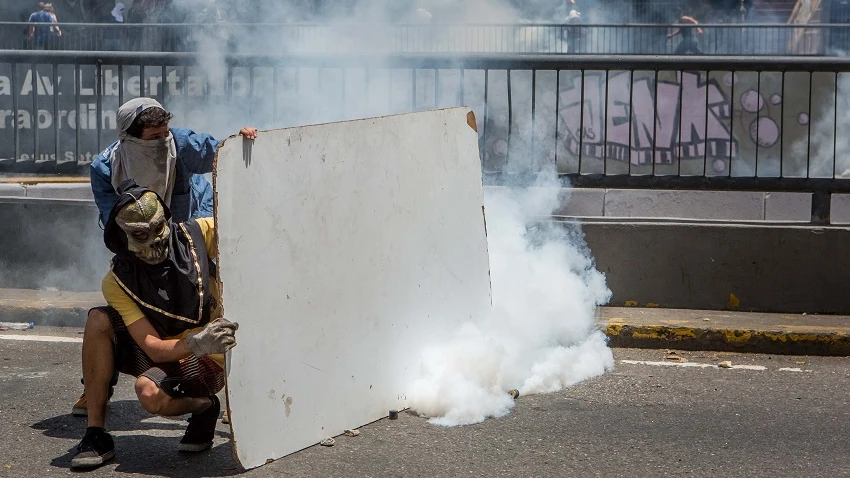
[(693, 265), (766, 268), (51, 244)]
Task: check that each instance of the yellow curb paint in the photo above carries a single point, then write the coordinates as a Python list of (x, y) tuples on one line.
[(653, 305), (631, 303), (737, 336), (651, 332), (613, 330), (731, 336), (801, 337), (733, 302)]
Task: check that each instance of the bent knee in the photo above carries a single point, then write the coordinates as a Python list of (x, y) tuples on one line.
[(98, 323), (151, 397)]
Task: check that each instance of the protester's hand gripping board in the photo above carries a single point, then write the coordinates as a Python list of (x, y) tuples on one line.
[(345, 249)]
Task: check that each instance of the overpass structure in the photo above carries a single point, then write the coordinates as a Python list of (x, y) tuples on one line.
[(799, 39)]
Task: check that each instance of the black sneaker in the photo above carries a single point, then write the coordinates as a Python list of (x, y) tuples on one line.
[(95, 449), (201, 430)]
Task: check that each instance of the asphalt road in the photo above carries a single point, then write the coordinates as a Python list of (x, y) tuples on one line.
[(641, 420)]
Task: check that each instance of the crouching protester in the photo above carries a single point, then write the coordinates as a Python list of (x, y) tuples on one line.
[(163, 324)]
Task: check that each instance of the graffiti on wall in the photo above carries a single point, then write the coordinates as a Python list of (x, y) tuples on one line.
[(691, 116), (680, 124)]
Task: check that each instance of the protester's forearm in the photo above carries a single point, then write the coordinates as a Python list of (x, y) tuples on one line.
[(165, 351)]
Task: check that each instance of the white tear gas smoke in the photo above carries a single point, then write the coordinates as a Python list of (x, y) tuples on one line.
[(823, 152), (541, 334)]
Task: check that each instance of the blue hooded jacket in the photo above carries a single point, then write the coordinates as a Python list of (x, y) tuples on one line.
[(192, 196)]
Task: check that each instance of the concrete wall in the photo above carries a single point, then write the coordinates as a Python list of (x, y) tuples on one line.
[(704, 205), (48, 243), (51, 244), (592, 202), (791, 269)]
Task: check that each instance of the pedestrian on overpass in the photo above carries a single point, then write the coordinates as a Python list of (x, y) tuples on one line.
[(163, 323), (41, 30), (690, 42), (54, 30), (169, 161)]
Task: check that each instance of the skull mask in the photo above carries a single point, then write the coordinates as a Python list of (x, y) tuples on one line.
[(147, 230)]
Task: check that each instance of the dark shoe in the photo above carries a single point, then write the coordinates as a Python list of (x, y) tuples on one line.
[(201, 430), (95, 449)]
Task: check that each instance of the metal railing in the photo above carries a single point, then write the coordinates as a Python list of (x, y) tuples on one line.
[(603, 121), (617, 39)]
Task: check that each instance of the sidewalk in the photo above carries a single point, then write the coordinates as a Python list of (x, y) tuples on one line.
[(786, 334), (754, 332), (46, 307)]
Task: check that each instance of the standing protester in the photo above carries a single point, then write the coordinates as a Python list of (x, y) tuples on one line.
[(171, 161), (689, 43), (40, 34), (162, 325)]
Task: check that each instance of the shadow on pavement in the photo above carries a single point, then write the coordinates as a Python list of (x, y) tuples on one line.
[(144, 453), (158, 456), (121, 416)]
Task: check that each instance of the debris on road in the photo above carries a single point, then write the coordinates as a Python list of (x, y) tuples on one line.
[(514, 393), (352, 433), (674, 357), (725, 364), (17, 325), (327, 442)]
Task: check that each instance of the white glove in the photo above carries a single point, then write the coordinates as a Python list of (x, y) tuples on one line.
[(217, 337)]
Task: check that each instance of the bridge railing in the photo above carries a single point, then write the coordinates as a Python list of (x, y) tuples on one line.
[(720, 123), (590, 39)]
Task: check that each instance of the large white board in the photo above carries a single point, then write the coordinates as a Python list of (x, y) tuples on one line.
[(344, 250)]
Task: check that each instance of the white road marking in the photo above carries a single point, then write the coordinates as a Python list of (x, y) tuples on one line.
[(42, 338), (690, 365), (23, 375), (793, 369)]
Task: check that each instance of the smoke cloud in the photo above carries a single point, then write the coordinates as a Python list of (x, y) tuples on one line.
[(540, 336)]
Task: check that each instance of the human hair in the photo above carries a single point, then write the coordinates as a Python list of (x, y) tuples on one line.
[(150, 118)]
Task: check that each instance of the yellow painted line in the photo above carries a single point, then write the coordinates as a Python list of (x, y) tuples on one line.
[(30, 180)]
